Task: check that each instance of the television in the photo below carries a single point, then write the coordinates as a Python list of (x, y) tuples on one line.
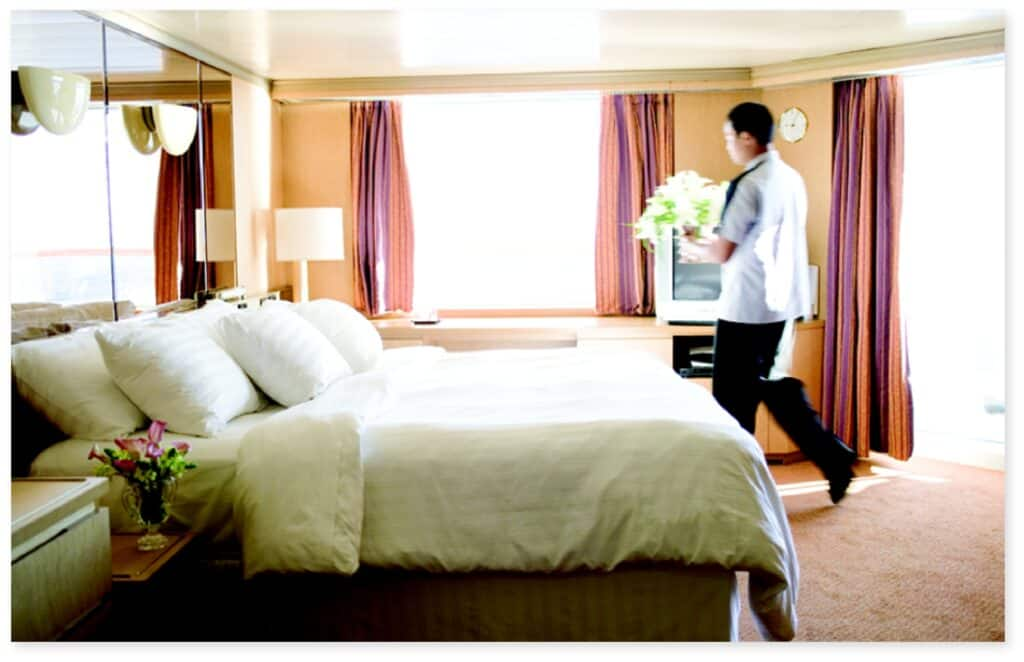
[(688, 292), (684, 292)]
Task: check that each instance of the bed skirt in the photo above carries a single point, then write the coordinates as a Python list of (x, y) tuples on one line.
[(637, 602)]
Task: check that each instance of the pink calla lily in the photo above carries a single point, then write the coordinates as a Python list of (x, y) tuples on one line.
[(134, 447), (153, 450), (156, 431), (182, 446)]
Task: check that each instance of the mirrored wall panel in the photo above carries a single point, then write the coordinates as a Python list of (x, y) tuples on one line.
[(218, 226), (154, 152), (59, 232), (121, 171)]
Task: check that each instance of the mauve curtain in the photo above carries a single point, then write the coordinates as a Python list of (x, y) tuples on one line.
[(866, 390), (383, 211), (636, 156), (174, 234)]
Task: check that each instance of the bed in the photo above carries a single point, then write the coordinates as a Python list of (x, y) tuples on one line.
[(496, 495)]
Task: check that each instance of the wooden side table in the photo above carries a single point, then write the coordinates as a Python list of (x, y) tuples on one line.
[(129, 565)]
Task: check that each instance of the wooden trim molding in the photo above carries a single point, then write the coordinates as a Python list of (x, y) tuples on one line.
[(618, 81)]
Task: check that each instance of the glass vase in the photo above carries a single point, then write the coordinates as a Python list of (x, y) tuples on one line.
[(150, 506)]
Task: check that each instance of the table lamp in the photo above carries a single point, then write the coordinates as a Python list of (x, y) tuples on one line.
[(308, 233)]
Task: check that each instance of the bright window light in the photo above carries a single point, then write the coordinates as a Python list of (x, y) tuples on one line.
[(952, 267), (504, 198)]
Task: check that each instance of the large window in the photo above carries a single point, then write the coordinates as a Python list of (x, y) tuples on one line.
[(952, 271), (504, 196)]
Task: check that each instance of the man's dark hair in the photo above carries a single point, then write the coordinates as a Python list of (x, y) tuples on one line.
[(755, 119)]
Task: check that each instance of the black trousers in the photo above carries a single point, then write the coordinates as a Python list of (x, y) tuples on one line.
[(743, 358)]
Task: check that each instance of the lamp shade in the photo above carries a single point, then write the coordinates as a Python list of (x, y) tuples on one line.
[(175, 127), (215, 239), (58, 100), (309, 233)]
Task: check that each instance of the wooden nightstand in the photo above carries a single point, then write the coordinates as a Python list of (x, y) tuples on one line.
[(129, 565), (60, 554)]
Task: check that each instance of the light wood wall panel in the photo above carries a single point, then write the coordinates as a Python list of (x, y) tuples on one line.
[(699, 143), (253, 130), (315, 154)]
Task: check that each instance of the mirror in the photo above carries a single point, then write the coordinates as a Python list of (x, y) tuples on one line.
[(108, 210), (218, 226), (154, 153), (59, 232)]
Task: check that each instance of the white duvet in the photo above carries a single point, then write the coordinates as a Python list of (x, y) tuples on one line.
[(531, 460)]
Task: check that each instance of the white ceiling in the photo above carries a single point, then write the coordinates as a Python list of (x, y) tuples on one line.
[(281, 45)]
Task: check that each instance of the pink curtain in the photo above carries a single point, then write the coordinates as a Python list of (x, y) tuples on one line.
[(636, 156), (866, 391), (383, 211)]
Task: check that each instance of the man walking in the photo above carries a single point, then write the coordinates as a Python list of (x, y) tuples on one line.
[(762, 246)]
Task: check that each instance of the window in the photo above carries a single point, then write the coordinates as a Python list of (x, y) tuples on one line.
[(60, 238), (504, 197), (952, 268)]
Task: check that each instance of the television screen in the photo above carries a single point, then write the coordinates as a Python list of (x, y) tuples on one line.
[(694, 281)]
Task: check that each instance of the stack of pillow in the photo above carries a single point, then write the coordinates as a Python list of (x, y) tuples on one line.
[(197, 371)]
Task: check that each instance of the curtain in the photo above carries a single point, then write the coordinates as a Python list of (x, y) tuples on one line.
[(636, 156), (174, 232), (866, 391), (383, 210)]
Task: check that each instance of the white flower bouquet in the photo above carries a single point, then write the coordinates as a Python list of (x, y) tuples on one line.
[(686, 202)]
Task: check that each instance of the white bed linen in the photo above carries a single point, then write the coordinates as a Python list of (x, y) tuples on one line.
[(203, 502), (534, 460)]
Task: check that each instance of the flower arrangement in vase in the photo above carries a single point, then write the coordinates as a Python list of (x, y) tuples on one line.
[(686, 202), (150, 473)]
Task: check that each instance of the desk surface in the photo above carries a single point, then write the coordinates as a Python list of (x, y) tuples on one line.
[(579, 327)]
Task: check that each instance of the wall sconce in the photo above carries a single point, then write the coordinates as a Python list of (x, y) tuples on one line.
[(54, 99), (310, 233), (164, 124)]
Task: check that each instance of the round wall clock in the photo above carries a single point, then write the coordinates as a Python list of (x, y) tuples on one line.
[(793, 124)]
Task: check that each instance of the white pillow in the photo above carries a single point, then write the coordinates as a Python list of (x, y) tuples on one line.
[(65, 379), (354, 336), (175, 372), (207, 317), (284, 354)]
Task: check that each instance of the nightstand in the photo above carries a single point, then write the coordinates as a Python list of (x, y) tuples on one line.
[(130, 566), (60, 554)]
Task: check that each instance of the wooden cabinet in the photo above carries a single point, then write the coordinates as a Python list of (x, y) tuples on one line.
[(808, 346)]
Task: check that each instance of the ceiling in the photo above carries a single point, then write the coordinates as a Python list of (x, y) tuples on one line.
[(282, 45)]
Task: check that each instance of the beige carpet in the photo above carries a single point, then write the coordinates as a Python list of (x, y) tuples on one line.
[(915, 552)]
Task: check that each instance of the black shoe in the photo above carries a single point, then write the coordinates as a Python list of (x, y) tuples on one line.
[(838, 480), (841, 474)]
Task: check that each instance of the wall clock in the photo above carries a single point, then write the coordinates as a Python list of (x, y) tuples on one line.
[(793, 124)]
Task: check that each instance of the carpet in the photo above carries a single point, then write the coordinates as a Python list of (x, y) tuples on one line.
[(915, 552)]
